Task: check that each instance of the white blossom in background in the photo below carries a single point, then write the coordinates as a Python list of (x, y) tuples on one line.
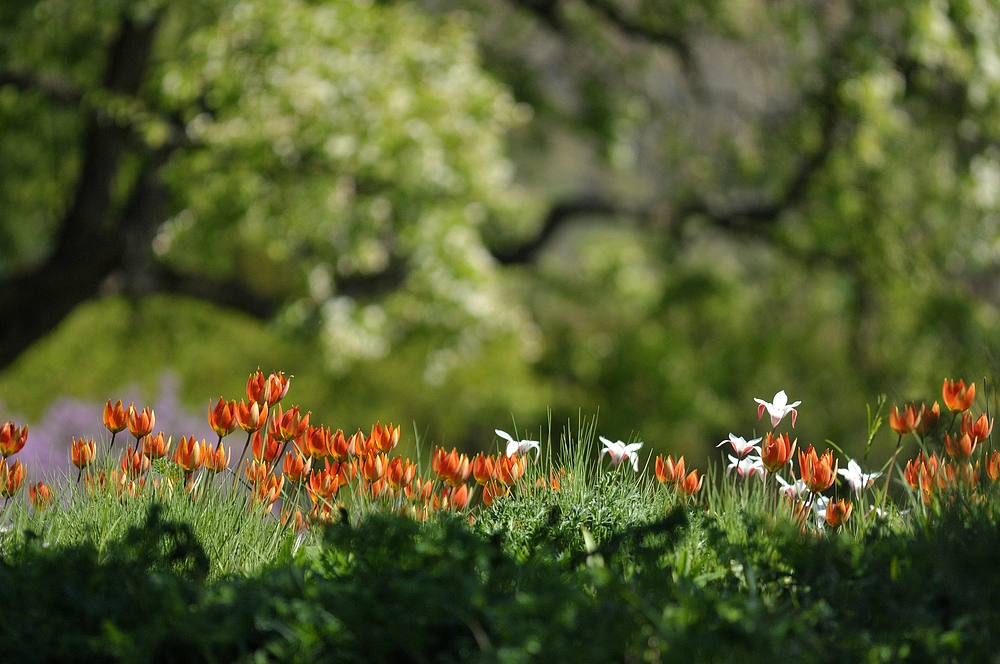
[(741, 446), (518, 446), (747, 466), (856, 478), (795, 489), (777, 408), (619, 451)]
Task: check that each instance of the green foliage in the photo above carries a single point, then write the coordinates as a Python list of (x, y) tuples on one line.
[(389, 589)]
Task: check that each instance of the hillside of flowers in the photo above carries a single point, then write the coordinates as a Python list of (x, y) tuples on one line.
[(297, 541)]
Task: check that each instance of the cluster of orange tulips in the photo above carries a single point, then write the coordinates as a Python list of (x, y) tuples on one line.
[(290, 459), (12, 440), (957, 464), (314, 470), (960, 464)]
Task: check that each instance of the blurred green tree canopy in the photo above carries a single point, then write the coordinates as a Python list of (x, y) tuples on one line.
[(455, 209)]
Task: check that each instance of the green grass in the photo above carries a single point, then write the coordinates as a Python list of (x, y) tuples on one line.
[(611, 566)]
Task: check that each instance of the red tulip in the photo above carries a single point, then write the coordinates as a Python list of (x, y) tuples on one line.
[(818, 473), (140, 424), (82, 452), (216, 460), (222, 418), (251, 417), (41, 496), (776, 451), (296, 466), (115, 417), (190, 454), (277, 385), (906, 422), (690, 485), (957, 396), (258, 388), (12, 439), (134, 463), (669, 471), (837, 513), (155, 447)]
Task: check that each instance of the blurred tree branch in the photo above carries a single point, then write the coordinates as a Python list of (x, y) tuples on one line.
[(55, 88)]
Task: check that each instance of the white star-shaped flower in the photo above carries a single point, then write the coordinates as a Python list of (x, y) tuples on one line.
[(619, 451), (741, 446), (858, 480), (746, 467), (792, 490), (518, 446), (778, 408)]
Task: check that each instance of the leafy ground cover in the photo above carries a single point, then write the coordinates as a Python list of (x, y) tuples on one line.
[(324, 547)]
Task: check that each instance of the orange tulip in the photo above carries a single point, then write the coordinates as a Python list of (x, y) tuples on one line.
[(258, 388), (483, 468), (12, 439), (316, 442), (993, 466), (296, 466), (277, 385), (287, 425), (265, 448), (342, 449), (977, 430), (818, 473), (216, 460), (509, 469), (928, 419), (322, 513), (373, 467), (669, 471), (268, 490), (459, 498), (140, 424), (399, 473), (419, 489), (957, 396), (776, 451), (82, 452), (296, 519), (190, 454), (346, 470), (256, 471), (493, 492), (115, 417), (690, 485), (222, 418), (837, 513), (922, 471), (123, 485), (11, 478), (960, 448), (452, 468), (323, 484), (134, 463), (382, 439), (955, 474), (906, 422), (41, 496), (251, 417), (155, 447)]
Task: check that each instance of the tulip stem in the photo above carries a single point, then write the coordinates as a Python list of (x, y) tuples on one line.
[(236, 473), (888, 473), (112, 443)]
